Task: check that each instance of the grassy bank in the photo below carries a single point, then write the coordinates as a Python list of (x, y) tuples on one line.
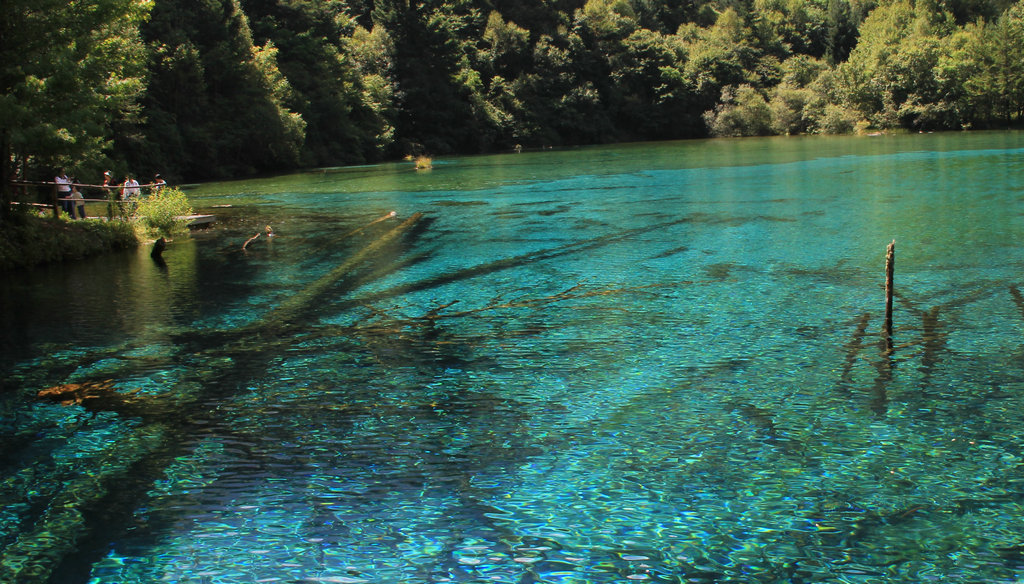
[(27, 239)]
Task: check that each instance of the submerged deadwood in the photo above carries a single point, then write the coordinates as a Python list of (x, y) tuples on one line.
[(33, 554), (298, 303), (1018, 298), (165, 421), (47, 538)]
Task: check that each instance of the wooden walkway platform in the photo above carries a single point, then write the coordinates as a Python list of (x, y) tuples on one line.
[(198, 220)]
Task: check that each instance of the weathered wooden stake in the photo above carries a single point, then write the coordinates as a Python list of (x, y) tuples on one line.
[(158, 248), (890, 267)]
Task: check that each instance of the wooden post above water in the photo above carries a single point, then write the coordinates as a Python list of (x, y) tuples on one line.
[(890, 268)]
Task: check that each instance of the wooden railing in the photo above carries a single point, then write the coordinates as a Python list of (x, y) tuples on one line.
[(55, 200)]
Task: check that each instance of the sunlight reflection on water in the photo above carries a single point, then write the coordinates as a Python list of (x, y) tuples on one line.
[(657, 371)]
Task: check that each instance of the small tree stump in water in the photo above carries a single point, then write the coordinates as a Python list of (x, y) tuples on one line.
[(890, 268), (158, 248)]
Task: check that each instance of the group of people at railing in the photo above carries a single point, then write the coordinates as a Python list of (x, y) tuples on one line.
[(72, 201)]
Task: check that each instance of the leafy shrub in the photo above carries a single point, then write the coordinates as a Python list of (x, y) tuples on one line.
[(28, 239), (742, 111), (160, 215), (837, 120), (789, 108)]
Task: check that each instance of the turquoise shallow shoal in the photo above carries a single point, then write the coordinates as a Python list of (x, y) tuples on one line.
[(647, 362)]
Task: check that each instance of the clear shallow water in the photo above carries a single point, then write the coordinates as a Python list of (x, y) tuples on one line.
[(663, 365)]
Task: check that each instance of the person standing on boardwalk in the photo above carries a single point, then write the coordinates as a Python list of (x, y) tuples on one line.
[(77, 200), (64, 191), (109, 193), (130, 187)]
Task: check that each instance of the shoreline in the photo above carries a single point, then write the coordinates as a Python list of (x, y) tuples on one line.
[(27, 240)]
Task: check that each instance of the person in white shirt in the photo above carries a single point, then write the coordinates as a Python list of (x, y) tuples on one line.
[(64, 191), (77, 201), (130, 187)]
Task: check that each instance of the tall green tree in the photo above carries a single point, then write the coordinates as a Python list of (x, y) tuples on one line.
[(506, 49), (432, 98), (68, 70), (652, 97), (597, 42), (1000, 73), (890, 76), (540, 17), (561, 105), (724, 55), (842, 17), (372, 53), (311, 37), (216, 104)]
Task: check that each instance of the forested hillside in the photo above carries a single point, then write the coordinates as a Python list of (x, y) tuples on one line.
[(204, 89)]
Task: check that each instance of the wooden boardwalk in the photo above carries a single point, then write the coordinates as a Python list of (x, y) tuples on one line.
[(198, 220)]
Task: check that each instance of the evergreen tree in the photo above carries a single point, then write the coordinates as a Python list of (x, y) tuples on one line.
[(313, 55), (68, 71), (432, 103), (1003, 69), (840, 32), (216, 103)]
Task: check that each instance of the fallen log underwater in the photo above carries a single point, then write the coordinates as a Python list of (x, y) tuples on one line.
[(45, 540), (509, 263), (78, 507), (928, 346), (290, 308), (137, 459)]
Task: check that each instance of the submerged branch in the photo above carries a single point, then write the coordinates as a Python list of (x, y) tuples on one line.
[(512, 262), (1018, 298), (44, 541), (572, 293), (306, 298), (854, 347), (393, 324), (336, 240)]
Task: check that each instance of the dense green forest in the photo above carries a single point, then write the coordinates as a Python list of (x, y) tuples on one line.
[(200, 89)]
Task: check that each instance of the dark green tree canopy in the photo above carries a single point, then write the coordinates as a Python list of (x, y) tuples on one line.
[(213, 88), (216, 104), (69, 71)]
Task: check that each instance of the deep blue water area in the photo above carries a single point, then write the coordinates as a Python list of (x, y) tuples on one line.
[(647, 362)]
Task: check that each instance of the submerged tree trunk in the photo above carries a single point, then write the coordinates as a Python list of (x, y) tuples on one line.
[(75, 508)]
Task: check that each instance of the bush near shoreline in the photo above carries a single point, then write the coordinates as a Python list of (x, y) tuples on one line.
[(27, 239)]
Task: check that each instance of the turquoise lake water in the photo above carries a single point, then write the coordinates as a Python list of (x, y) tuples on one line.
[(650, 362)]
